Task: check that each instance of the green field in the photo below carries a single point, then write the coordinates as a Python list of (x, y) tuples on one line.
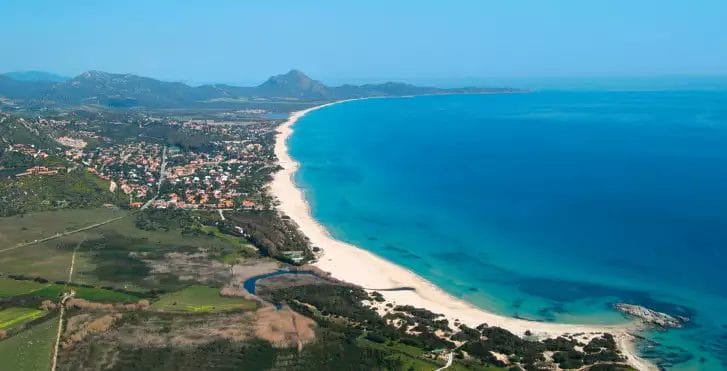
[(19, 229), (231, 255), (10, 287), (31, 349), (109, 255), (10, 317), (88, 293), (200, 299), (49, 259)]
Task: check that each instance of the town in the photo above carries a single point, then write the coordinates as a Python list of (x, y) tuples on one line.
[(225, 170)]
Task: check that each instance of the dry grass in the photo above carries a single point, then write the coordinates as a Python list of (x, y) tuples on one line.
[(142, 304), (197, 267), (284, 328), (80, 326)]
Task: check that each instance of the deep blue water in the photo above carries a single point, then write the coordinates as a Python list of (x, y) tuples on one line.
[(548, 205)]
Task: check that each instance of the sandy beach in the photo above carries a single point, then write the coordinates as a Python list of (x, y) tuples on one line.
[(355, 265)]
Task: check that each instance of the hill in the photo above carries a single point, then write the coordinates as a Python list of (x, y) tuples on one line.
[(128, 90)]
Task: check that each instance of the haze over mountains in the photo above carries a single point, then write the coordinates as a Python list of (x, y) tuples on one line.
[(128, 90), (35, 76)]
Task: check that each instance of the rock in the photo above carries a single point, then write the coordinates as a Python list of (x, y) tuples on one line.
[(652, 317)]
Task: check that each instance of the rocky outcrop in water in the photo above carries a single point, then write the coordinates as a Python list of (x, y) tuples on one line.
[(652, 317)]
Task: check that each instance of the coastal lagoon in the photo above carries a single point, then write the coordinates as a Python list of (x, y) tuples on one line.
[(550, 206)]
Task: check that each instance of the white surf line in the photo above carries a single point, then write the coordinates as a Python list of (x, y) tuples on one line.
[(450, 359)]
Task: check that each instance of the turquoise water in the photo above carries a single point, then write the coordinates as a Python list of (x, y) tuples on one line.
[(550, 205)]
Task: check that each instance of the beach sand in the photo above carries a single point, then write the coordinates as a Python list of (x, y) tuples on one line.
[(352, 264)]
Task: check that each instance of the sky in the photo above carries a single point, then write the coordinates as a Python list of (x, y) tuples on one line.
[(339, 41)]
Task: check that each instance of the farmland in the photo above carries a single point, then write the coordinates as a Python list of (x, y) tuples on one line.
[(201, 299), (29, 350), (10, 317)]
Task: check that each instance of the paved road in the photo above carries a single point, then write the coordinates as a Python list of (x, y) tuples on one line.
[(162, 169)]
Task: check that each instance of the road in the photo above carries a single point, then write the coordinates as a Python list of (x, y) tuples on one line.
[(66, 296), (162, 169), (450, 359), (73, 261)]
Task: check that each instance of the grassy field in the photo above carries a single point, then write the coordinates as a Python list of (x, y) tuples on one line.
[(231, 255), (49, 260), (10, 317), (18, 229), (110, 255), (29, 350), (10, 287), (200, 299), (88, 293)]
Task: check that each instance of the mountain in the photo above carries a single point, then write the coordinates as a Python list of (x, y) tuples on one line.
[(294, 84), (35, 76), (24, 90), (120, 90), (128, 90)]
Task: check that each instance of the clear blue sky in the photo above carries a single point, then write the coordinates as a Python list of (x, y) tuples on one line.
[(245, 41)]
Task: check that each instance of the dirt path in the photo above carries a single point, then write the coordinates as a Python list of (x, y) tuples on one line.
[(73, 261), (66, 296)]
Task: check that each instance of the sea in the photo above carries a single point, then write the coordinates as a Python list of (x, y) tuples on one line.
[(550, 205)]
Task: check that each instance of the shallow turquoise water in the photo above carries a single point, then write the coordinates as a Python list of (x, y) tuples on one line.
[(549, 205)]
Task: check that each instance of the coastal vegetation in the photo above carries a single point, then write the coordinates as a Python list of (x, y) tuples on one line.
[(272, 234), (66, 189), (417, 328)]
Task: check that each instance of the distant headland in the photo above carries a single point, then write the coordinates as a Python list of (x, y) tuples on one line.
[(130, 91)]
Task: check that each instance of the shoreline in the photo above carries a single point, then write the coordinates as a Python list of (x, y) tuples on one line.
[(352, 264)]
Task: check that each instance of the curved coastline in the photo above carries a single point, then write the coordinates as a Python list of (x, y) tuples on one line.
[(352, 264)]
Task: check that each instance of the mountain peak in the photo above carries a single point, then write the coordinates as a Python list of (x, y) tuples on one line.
[(292, 77), (297, 74), (93, 75), (294, 83)]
